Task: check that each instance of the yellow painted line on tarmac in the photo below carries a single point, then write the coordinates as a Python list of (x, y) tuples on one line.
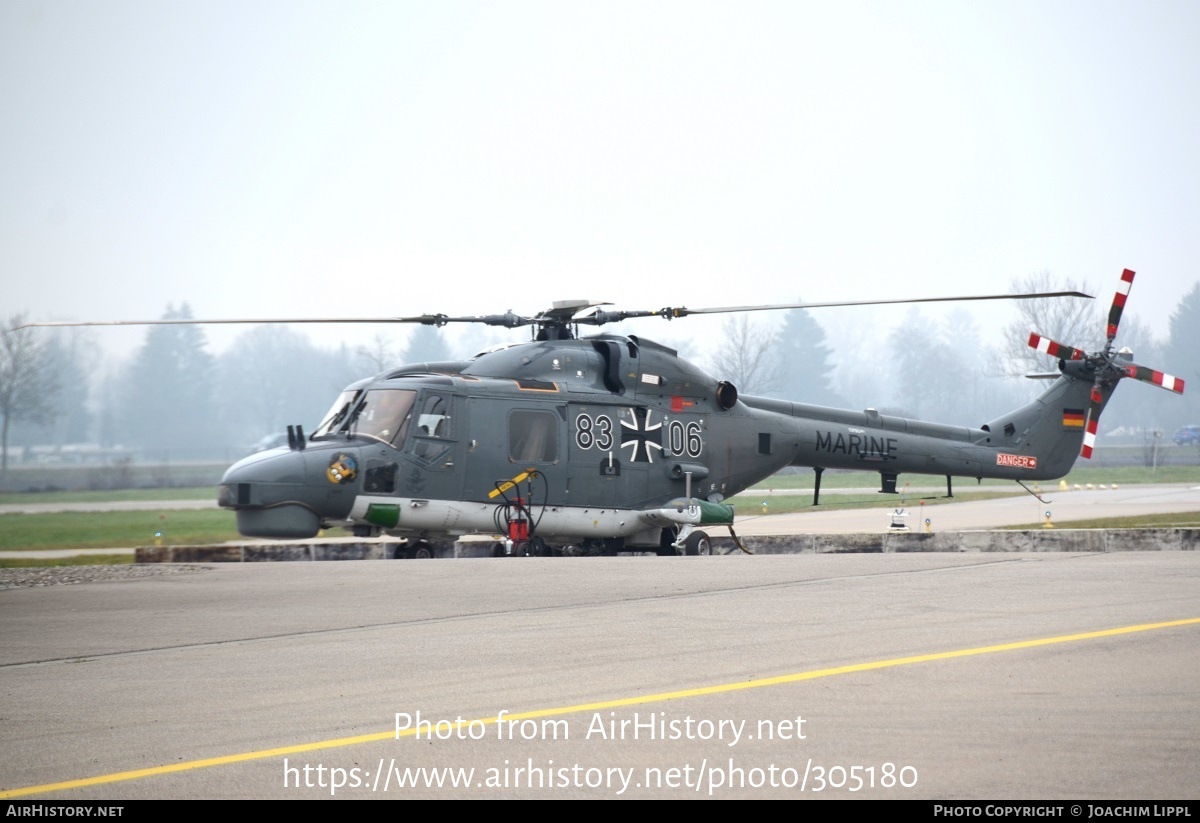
[(722, 688)]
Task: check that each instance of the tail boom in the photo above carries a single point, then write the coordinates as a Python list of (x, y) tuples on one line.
[(1038, 441)]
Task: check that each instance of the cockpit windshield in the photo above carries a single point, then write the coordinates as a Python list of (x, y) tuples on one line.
[(337, 413), (379, 413), (384, 414)]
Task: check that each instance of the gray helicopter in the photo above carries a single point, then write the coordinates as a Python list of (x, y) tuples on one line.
[(615, 443), (612, 443)]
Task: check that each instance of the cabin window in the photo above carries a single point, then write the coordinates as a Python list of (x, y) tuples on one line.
[(533, 437)]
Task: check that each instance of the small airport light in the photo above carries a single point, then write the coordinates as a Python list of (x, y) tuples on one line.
[(1047, 524)]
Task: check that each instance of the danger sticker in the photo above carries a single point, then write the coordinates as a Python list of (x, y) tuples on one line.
[(1021, 461)]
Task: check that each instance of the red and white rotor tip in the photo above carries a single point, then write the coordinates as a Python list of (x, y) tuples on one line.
[(1093, 424), (1156, 378), (1118, 304), (1047, 346)]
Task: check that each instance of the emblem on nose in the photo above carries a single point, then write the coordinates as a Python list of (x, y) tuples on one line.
[(342, 469)]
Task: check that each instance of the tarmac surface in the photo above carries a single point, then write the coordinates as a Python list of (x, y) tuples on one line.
[(949, 676)]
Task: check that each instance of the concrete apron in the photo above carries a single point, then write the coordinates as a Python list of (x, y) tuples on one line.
[(1040, 540)]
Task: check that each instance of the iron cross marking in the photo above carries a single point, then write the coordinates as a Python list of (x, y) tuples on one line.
[(641, 436)]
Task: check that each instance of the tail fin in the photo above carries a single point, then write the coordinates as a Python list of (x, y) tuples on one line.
[(1052, 427)]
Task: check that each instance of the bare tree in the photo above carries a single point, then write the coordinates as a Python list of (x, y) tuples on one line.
[(747, 356), (28, 388), (271, 377), (379, 354), (1068, 320)]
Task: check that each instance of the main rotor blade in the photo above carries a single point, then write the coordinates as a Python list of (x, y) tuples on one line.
[(509, 320), (683, 312), (1118, 303), (559, 315), (203, 322)]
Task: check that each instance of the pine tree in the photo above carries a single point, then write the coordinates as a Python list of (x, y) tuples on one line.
[(167, 405), (1182, 357), (805, 362)]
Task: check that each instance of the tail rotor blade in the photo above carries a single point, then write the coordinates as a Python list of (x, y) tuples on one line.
[(1167, 381), (1118, 304), (1093, 423), (1047, 346)]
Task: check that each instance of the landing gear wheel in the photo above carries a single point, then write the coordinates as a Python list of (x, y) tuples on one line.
[(419, 551), (666, 543), (591, 548), (697, 543)]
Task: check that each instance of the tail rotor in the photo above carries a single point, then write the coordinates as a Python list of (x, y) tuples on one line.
[(1103, 365)]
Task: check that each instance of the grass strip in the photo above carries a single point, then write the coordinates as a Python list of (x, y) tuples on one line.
[(104, 530), (111, 495)]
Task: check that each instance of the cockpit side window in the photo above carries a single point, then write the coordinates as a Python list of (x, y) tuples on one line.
[(433, 427), (434, 420)]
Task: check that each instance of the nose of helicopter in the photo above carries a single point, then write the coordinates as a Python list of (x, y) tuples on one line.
[(285, 493)]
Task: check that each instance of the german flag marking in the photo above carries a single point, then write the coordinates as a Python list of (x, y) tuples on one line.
[(1073, 418)]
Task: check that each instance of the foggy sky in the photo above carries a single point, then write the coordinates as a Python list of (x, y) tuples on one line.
[(313, 158)]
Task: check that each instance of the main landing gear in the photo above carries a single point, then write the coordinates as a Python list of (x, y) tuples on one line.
[(415, 550), (697, 543), (693, 543)]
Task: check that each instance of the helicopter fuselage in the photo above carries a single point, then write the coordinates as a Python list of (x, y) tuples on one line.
[(597, 440)]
